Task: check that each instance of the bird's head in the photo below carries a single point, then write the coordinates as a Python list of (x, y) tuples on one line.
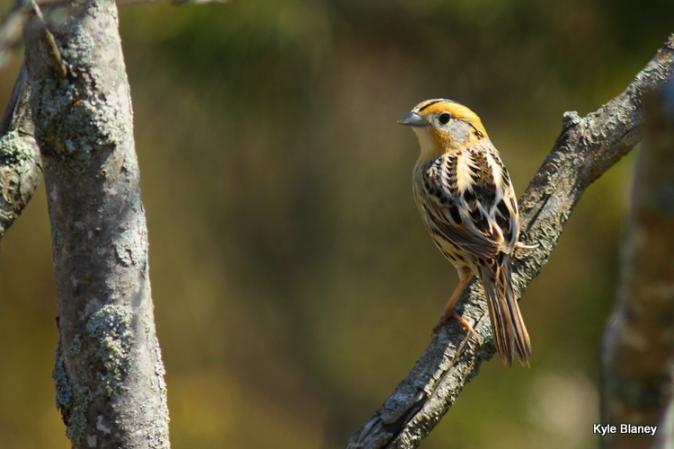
[(443, 125)]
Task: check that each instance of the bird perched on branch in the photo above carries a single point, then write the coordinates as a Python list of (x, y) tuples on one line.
[(467, 202)]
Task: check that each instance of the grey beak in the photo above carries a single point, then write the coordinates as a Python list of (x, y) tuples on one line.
[(413, 119)]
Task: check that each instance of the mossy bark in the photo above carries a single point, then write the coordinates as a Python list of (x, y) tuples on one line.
[(20, 168), (109, 374)]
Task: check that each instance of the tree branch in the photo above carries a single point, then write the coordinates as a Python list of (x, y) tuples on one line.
[(20, 168), (638, 352), (109, 374), (584, 150)]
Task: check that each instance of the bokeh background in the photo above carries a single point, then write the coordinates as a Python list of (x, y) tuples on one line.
[(294, 284)]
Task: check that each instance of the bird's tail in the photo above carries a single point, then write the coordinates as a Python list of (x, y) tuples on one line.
[(510, 333)]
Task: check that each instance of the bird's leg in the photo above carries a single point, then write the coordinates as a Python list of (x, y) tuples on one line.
[(464, 277)]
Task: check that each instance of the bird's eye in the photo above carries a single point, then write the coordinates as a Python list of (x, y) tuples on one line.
[(444, 118)]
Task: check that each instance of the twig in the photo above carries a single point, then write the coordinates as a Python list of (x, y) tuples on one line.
[(59, 64), (585, 149)]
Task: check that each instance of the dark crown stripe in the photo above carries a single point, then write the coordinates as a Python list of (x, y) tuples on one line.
[(430, 103)]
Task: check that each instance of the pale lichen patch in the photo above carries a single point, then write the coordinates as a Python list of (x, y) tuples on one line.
[(111, 328), (14, 150)]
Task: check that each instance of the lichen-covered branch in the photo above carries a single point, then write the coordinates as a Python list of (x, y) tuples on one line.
[(585, 149), (20, 168), (638, 353), (109, 374)]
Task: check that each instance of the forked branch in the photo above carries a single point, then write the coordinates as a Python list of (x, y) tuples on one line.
[(585, 149)]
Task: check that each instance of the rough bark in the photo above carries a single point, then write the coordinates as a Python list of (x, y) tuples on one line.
[(109, 374), (638, 353), (20, 168), (584, 150)]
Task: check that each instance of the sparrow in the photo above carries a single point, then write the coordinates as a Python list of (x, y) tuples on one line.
[(468, 205)]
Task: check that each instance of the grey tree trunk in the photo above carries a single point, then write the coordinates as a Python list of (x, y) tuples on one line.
[(638, 353), (109, 374)]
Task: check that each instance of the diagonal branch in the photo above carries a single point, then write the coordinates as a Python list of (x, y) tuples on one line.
[(584, 150)]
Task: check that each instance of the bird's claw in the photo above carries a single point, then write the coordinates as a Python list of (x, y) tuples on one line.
[(520, 245), (461, 320), (522, 248)]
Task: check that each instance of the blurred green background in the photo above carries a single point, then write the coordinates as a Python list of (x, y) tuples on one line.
[(293, 282)]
